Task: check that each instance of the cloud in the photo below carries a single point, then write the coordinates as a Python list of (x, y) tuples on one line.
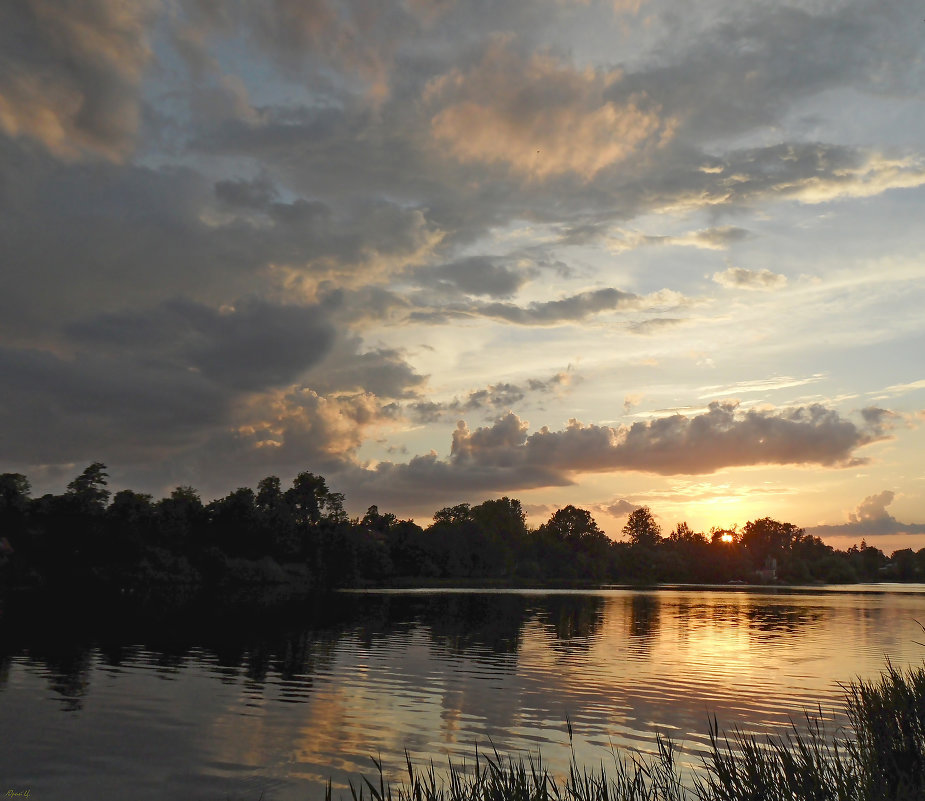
[(539, 116), (493, 398), (377, 303), (871, 415), (384, 372), (70, 74), (719, 438), (310, 39), (504, 456), (741, 278), (717, 238), (733, 74), (809, 172), (898, 389), (88, 238), (183, 385), (258, 194), (742, 72), (870, 519), (552, 312), (619, 508), (427, 480), (117, 407), (653, 326), (631, 401), (873, 507), (299, 426), (476, 275), (250, 346)]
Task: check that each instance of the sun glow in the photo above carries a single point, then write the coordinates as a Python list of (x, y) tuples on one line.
[(728, 538)]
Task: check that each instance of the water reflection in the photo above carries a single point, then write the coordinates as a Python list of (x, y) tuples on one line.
[(290, 694)]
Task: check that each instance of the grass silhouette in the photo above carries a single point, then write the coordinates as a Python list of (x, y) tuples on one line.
[(879, 756)]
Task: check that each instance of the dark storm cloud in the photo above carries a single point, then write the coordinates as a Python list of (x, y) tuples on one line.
[(56, 410), (280, 433), (70, 74), (84, 238), (427, 480), (382, 371), (150, 382), (257, 194), (871, 519), (254, 345), (208, 395)]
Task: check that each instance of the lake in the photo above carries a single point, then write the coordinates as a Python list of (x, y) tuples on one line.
[(100, 702)]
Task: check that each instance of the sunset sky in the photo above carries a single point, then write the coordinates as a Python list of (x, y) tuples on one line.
[(624, 253)]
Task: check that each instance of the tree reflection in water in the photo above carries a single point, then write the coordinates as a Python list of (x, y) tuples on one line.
[(302, 687)]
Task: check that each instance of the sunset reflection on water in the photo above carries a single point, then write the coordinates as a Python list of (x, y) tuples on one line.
[(279, 705)]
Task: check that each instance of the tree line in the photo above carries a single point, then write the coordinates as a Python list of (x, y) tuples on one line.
[(302, 535)]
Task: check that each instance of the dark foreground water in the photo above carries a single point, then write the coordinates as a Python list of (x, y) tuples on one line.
[(195, 703)]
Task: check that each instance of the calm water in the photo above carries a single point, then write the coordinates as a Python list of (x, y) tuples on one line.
[(194, 704)]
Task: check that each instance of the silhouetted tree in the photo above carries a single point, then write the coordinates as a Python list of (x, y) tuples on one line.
[(180, 518), (130, 525), (571, 545), (269, 494), (460, 513), (76, 536), (234, 523), (378, 522), (766, 538), (14, 493), (642, 529), (867, 561), (684, 533), (14, 504), (312, 501), (905, 564), (89, 488), (571, 524)]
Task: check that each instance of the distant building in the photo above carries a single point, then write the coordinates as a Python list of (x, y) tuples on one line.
[(768, 572)]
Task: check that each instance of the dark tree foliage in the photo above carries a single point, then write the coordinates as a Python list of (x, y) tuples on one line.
[(302, 536), (89, 488), (641, 528)]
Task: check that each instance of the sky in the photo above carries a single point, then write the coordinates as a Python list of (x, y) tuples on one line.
[(612, 254)]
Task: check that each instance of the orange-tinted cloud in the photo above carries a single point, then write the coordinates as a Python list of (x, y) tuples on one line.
[(540, 117), (504, 456), (70, 74)]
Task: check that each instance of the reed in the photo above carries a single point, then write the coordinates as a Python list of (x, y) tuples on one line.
[(879, 756)]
